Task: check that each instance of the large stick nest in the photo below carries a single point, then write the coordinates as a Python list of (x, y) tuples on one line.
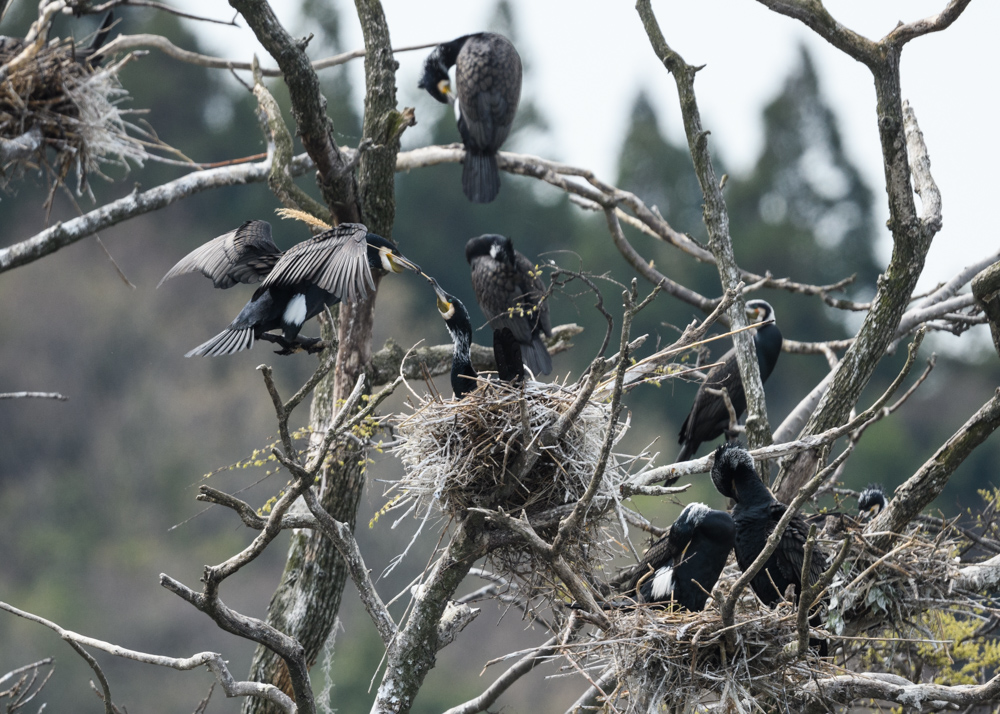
[(471, 453), (59, 111), (679, 658)]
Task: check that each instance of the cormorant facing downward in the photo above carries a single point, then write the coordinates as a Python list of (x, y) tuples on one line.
[(510, 295), (871, 502), (755, 514), (488, 84), (297, 284), (684, 565), (709, 417)]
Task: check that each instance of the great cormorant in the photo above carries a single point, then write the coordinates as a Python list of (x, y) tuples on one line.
[(755, 514), (684, 565), (709, 417), (297, 284), (488, 89), (509, 292), (506, 350), (871, 501)]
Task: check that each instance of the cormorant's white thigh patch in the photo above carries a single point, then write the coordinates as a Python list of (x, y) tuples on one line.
[(663, 583), (295, 313)]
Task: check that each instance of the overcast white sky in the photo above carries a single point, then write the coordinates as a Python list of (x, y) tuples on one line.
[(589, 58)]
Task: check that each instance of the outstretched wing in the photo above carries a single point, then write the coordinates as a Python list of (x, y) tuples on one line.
[(244, 255), (335, 260)]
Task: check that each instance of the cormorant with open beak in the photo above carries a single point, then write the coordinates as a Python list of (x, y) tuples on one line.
[(298, 284), (510, 294), (506, 350), (487, 91), (755, 515), (871, 502), (709, 417), (684, 565)]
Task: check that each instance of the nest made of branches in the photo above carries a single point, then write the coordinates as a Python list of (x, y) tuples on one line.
[(888, 589), (675, 658), (59, 111), (462, 454)]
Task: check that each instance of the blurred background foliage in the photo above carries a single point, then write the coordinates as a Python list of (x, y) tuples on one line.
[(97, 493)]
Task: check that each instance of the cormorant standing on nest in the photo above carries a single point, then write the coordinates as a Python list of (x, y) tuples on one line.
[(488, 88), (509, 292), (709, 417), (505, 348), (755, 514), (871, 502), (297, 284), (684, 565)]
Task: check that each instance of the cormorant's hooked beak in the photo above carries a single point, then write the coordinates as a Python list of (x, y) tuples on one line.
[(870, 513), (444, 87), (398, 263), (444, 304)]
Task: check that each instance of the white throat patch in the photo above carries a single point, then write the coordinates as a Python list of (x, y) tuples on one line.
[(295, 313), (495, 251)]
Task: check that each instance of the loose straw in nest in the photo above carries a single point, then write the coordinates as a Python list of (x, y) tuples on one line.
[(53, 101), (459, 454)]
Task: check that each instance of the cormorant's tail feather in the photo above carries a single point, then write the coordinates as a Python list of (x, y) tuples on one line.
[(480, 177), (536, 357), (227, 342), (688, 449)]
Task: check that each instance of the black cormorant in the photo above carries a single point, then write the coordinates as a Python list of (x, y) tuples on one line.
[(685, 563), (755, 514), (506, 350), (488, 88), (297, 284), (871, 501), (509, 292), (709, 417)]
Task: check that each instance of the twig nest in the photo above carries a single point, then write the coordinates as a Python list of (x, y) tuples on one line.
[(475, 452), (672, 658), (53, 101)]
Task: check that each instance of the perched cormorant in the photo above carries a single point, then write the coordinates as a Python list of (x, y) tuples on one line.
[(684, 565), (871, 501), (709, 417), (755, 514), (506, 350), (297, 284), (488, 88), (509, 292)]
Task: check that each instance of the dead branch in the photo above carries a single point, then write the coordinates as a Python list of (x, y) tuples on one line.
[(212, 660)]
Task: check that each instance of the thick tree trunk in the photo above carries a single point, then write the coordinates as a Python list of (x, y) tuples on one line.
[(307, 600)]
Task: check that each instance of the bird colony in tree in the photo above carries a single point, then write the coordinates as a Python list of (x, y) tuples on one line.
[(509, 443)]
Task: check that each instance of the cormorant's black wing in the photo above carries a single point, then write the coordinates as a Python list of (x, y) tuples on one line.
[(709, 417), (335, 260), (791, 548), (488, 84), (662, 552), (244, 255)]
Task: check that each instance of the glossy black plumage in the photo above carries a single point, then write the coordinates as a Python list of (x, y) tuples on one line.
[(755, 514), (709, 417), (685, 564), (510, 295), (296, 285), (507, 353), (456, 319), (488, 89), (871, 501)]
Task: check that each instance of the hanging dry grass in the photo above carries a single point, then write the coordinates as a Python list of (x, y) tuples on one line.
[(57, 111)]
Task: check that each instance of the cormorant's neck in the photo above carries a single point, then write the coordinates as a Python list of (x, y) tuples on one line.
[(750, 490), (462, 372), (767, 342)]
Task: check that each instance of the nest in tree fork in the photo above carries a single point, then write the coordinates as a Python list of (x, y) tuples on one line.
[(469, 453), (57, 111)]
